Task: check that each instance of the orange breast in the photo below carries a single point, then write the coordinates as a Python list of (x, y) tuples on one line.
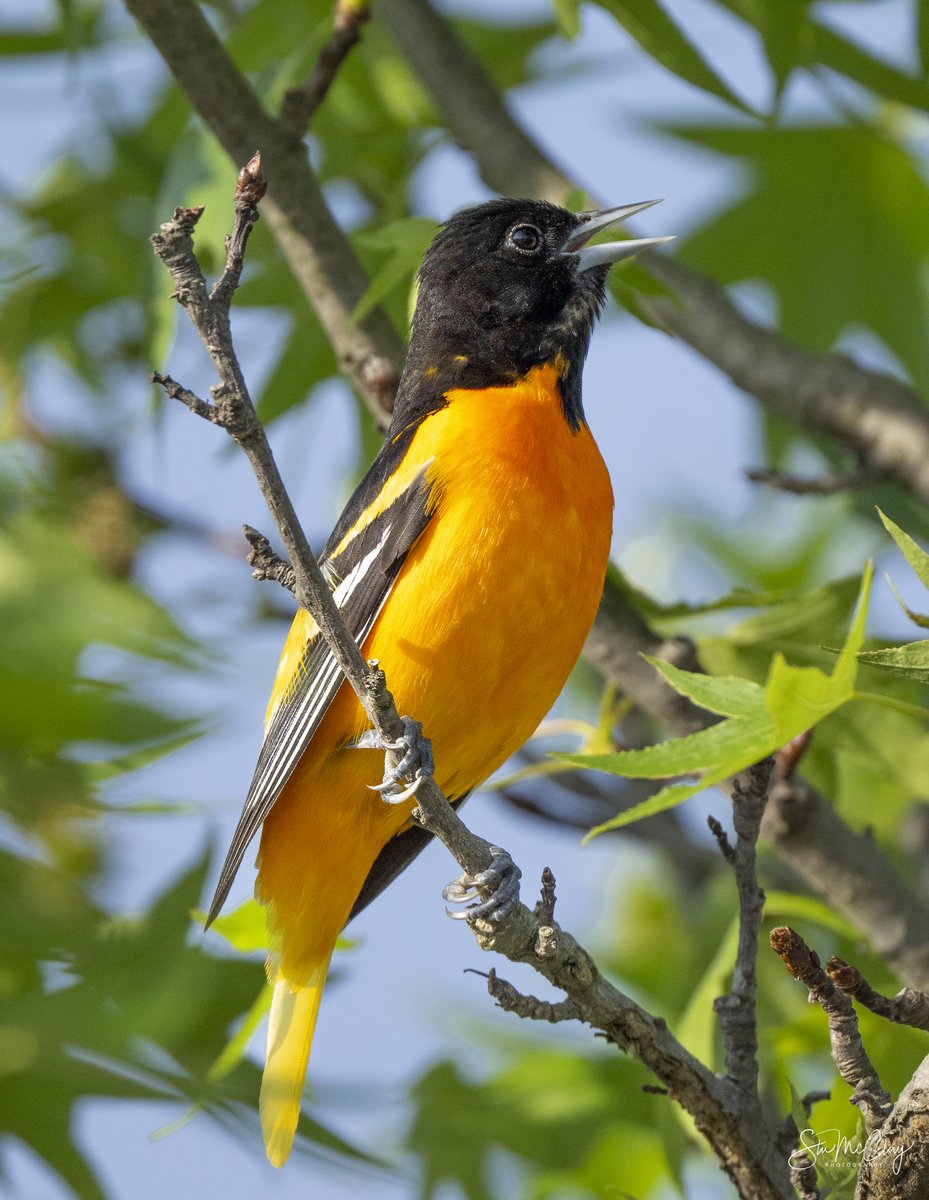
[(484, 623)]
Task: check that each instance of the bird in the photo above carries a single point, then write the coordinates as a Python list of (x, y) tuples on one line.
[(470, 563)]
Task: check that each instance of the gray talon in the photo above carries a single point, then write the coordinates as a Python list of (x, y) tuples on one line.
[(417, 762), (494, 891)]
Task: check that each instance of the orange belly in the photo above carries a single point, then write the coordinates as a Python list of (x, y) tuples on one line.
[(482, 627)]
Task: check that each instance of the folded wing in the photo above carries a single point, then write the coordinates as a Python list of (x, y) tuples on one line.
[(362, 561)]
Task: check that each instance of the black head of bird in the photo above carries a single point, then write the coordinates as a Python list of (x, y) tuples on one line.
[(507, 286)]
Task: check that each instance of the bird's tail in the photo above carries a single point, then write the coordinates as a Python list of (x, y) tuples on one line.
[(290, 1036)]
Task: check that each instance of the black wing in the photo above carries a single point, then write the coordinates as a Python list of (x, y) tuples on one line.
[(361, 574)]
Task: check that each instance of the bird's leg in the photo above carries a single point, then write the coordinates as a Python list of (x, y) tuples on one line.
[(417, 762), (495, 890)]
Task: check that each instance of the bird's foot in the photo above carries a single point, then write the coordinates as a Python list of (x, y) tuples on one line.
[(495, 891), (416, 765)]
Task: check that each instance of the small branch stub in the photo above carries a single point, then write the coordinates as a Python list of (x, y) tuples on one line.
[(908, 1007), (265, 563)]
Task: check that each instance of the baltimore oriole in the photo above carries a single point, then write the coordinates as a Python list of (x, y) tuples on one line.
[(470, 561)]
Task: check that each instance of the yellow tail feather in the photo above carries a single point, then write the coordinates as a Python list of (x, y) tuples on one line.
[(290, 1036)]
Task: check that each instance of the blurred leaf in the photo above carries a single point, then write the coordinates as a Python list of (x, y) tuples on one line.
[(554, 1110), (915, 555), (244, 928), (83, 29), (406, 241), (793, 39), (919, 619), (841, 54), (568, 15), (844, 198), (658, 35)]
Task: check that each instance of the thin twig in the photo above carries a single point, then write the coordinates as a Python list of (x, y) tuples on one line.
[(322, 259), (803, 1173), (530, 1008), (828, 484), (300, 103), (722, 839), (848, 1050), (737, 1010), (908, 1007)]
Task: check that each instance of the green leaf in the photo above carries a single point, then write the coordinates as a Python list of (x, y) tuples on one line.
[(844, 197), (568, 15), (658, 35), (696, 1027), (922, 36), (911, 660), (795, 699), (726, 695), (244, 928), (915, 555), (920, 619)]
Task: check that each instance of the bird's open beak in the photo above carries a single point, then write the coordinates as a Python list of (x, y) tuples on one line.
[(608, 252)]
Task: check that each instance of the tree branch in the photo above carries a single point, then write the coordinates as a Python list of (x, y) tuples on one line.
[(737, 1011), (895, 1165), (848, 1050), (323, 262), (300, 103), (853, 873), (828, 484)]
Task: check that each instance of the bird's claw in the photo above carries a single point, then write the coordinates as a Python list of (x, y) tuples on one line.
[(416, 764), (495, 891)]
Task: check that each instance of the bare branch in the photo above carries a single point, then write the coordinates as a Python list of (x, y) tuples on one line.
[(803, 1173), (530, 1008), (370, 351), (828, 484), (737, 1011), (546, 942), (300, 103), (908, 1007), (848, 1050)]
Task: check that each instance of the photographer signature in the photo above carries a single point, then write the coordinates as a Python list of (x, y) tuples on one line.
[(833, 1146)]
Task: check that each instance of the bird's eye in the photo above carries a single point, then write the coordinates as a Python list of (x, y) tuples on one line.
[(526, 238)]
